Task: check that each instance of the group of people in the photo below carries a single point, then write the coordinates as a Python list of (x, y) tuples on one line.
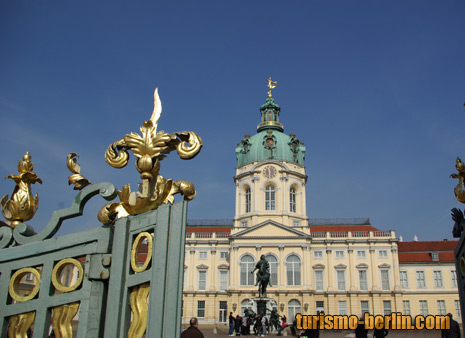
[(240, 326)]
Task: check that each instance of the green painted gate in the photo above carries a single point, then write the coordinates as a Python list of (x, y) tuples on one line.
[(117, 292)]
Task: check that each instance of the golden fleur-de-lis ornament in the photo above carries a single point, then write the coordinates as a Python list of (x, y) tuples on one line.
[(149, 149)]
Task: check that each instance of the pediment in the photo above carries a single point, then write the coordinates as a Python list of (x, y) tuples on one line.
[(362, 266), (269, 229)]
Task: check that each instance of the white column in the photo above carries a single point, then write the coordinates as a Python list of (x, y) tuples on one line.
[(329, 269), (374, 270), (281, 266), (191, 270), (213, 269)]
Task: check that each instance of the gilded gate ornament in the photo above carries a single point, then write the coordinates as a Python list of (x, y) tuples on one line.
[(459, 190), (22, 205), (149, 149), (79, 181)]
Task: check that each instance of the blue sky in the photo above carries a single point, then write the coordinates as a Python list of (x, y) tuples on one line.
[(375, 89)]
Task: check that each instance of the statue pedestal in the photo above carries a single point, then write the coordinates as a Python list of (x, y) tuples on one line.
[(261, 307), (262, 303)]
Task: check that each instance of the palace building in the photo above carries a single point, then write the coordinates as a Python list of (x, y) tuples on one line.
[(339, 266)]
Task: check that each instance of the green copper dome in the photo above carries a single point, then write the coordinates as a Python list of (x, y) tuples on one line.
[(270, 143)]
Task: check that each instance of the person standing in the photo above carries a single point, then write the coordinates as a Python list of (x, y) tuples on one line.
[(453, 331), (193, 330), (264, 324), (231, 324), (380, 333), (237, 325)]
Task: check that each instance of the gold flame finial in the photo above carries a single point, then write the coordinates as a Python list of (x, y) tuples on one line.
[(22, 205), (271, 84), (149, 149)]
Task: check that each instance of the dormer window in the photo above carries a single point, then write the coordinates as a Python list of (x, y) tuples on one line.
[(435, 256)]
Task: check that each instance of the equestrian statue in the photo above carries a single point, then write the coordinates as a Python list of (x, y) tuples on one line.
[(263, 275)]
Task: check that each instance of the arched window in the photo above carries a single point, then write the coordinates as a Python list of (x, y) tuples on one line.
[(293, 270), (270, 198), (246, 304), (273, 269), (292, 200), (247, 266), (247, 200), (293, 308)]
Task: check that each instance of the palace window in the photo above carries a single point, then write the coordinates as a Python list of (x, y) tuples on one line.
[(441, 307), (403, 279), (224, 255), (342, 307), (203, 254), (387, 307), (319, 281), (458, 312), (244, 224), (363, 280), (385, 279), (293, 270), (421, 283), (270, 198), (424, 308), (339, 254), (438, 279), (453, 278), (247, 266), (273, 261), (364, 306), (201, 309), (320, 306), (361, 254), (341, 280), (318, 254), (406, 307), (293, 308), (292, 200), (223, 280), (247, 200), (382, 253), (202, 282)]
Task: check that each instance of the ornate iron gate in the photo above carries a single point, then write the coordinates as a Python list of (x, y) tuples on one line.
[(112, 292), (117, 289)]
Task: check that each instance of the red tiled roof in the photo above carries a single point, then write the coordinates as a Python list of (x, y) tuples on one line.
[(412, 252), (208, 229), (428, 246), (321, 228)]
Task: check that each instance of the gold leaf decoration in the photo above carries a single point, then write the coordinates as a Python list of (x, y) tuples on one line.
[(61, 319), (22, 205), (139, 309), (79, 181), (150, 148)]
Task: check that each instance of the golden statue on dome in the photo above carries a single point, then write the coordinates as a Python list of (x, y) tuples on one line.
[(271, 84)]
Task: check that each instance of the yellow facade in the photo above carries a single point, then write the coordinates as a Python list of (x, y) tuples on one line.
[(339, 266)]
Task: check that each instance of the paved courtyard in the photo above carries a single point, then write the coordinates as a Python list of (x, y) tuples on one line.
[(223, 332)]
